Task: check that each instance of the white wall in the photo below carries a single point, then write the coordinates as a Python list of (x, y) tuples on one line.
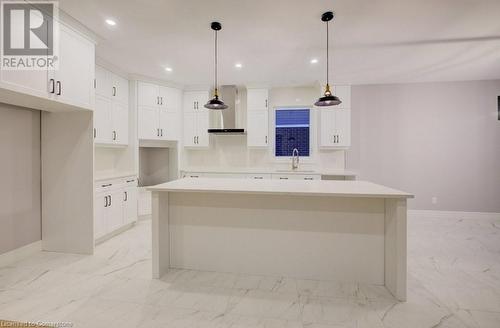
[(432, 139), (232, 152), (20, 207)]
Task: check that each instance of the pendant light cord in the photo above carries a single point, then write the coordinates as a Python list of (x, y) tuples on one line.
[(327, 55), (216, 92)]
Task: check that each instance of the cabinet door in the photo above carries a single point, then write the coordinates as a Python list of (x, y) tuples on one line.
[(169, 124), (257, 99), (169, 99), (130, 204), (100, 210), (75, 76), (29, 82), (103, 121), (120, 123), (119, 88), (257, 129), (148, 94), (190, 129), (115, 210), (148, 123), (203, 138), (343, 127), (327, 128), (190, 102), (102, 82)]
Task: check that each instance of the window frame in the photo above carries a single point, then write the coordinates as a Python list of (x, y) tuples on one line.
[(312, 119)]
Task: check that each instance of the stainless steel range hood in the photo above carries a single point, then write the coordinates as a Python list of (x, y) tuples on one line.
[(224, 122)]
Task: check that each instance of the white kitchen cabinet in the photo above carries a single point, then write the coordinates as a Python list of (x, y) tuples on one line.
[(335, 128), (257, 128), (148, 94), (73, 82), (257, 99), (103, 125), (115, 205), (194, 101), (119, 117), (196, 120), (70, 85), (296, 177), (257, 118), (159, 112), (111, 110)]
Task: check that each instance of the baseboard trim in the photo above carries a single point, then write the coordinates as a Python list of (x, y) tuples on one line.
[(20, 253), (430, 214), (115, 233)]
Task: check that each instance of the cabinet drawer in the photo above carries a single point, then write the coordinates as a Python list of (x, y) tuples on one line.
[(259, 176), (296, 177)]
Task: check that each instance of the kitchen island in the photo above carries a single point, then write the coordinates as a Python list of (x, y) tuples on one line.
[(328, 230)]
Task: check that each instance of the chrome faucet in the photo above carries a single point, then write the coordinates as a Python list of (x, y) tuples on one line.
[(295, 159)]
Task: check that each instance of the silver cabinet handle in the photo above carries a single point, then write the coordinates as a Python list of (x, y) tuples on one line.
[(95, 133), (59, 88), (133, 180), (114, 91), (266, 103), (161, 98), (126, 196), (308, 178), (266, 140), (106, 185), (161, 132), (282, 178), (114, 135), (110, 200), (194, 140), (258, 178), (52, 86), (157, 132), (105, 201)]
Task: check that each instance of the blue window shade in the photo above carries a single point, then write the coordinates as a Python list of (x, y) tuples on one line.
[(292, 131)]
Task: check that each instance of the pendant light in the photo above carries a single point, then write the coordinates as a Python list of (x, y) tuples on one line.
[(215, 102), (328, 99)]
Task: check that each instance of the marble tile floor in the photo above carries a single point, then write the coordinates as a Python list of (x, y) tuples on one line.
[(454, 282)]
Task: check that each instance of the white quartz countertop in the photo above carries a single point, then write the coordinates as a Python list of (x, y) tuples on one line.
[(244, 170), (282, 187)]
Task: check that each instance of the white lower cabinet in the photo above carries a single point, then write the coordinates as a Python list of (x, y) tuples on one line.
[(255, 176), (296, 177), (115, 205)]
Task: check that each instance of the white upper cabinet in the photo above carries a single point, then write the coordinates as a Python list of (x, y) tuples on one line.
[(257, 118), (335, 122), (257, 99), (257, 128), (70, 85), (195, 100), (111, 109), (148, 94), (196, 120), (74, 80), (159, 112)]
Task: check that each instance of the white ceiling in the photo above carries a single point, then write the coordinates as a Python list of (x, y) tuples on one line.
[(374, 41)]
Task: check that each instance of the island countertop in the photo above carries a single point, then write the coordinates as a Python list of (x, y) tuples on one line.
[(282, 187)]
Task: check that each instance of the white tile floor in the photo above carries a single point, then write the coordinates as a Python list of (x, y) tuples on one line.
[(454, 282)]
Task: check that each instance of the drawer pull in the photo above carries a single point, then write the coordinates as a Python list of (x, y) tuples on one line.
[(130, 180), (107, 185)]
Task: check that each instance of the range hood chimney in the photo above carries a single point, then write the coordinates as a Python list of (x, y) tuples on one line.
[(224, 121)]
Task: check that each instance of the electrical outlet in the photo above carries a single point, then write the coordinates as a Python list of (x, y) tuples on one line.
[(434, 200)]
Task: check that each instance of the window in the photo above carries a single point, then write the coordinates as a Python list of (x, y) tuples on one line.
[(292, 131)]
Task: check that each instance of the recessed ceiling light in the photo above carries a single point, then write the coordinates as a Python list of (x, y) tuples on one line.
[(238, 65), (110, 22), (314, 61), (168, 69)]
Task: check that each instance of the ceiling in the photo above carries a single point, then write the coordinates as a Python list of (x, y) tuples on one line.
[(376, 41)]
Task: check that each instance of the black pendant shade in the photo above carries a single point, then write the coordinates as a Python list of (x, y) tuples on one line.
[(328, 99), (215, 103)]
